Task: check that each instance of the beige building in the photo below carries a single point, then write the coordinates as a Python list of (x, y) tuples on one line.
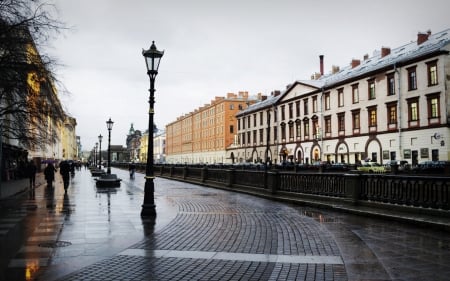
[(393, 105), (203, 135)]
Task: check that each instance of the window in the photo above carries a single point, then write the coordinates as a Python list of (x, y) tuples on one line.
[(254, 137), (413, 110), (433, 106), (291, 130), (356, 119), (298, 129), (282, 112), (283, 131), (231, 129), (254, 120), (314, 100), (261, 118), (239, 106), (268, 134), (390, 84), (243, 138), (355, 93), (261, 135), (371, 84), (248, 121), (327, 125), (306, 128), (412, 78), (432, 73), (341, 97), (232, 106), (297, 108), (341, 122), (291, 110), (327, 101), (275, 133), (305, 107), (239, 124), (372, 116), (392, 113)]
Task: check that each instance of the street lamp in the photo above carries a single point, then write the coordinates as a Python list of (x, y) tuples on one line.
[(100, 137), (109, 125), (152, 59), (95, 155)]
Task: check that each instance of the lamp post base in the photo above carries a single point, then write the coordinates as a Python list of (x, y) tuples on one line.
[(148, 207), (148, 210)]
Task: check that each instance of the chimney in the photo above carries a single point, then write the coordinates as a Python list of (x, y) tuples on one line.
[(263, 98), (276, 93), (355, 63), (366, 56), (321, 64), (422, 37), (334, 69), (385, 51)]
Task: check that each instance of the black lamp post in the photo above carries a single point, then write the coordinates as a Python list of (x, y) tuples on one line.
[(100, 137), (95, 154), (109, 125), (152, 59)]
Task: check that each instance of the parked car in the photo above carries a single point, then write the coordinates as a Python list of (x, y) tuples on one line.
[(435, 167), (402, 165), (372, 167)]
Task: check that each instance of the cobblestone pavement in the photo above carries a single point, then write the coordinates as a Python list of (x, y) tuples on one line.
[(207, 234)]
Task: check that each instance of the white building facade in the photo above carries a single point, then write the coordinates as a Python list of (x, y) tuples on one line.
[(391, 106)]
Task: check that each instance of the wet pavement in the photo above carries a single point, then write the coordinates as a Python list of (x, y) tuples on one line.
[(202, 233)]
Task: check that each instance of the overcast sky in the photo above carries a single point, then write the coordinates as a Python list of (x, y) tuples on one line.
[(213, 47)]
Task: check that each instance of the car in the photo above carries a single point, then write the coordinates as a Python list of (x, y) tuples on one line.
[(372, 167)]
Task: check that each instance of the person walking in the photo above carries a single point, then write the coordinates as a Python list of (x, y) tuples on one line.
[(49, 173), (31, 173), (64, 170)]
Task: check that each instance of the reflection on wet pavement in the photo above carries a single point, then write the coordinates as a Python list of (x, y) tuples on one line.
[(204, 233)]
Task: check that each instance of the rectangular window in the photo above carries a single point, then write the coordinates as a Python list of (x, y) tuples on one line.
[(283, 132), (315, 107), (432, 73), (261, 118), (371, 88), (254, 120), (413, 110), (291, 131), (356, 120), (372, 117), (433, 106), (298, 129), (261, 135), (275, 133), (341, 97), (392, 113), (412, 78), (291, 110), (248, 121), (305, 107), (328, 125), (355, 93), (249, 135), (341, 122), (306, 128), (390, 84), (297, 108), (231, 129), (282, 113), (254, 137), (327, 101)]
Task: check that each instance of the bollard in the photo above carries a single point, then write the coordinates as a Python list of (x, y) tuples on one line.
[(352, 186)]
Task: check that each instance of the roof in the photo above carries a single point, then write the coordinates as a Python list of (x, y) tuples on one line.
[(436, 42)]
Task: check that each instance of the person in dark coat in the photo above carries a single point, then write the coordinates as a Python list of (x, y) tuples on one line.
[(64, 170), (31, 173), (49, 173)]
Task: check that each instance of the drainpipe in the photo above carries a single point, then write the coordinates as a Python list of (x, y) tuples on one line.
[(399, 108)]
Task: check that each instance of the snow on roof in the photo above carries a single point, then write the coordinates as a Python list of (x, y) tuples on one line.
[(401, 54), (435, 42)]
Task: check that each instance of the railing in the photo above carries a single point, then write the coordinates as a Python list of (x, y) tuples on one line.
[(402, 190), (426, 192)]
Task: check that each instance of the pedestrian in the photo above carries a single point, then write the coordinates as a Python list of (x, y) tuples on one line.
[(49, 173), (132, 169), (64, 170), (31, 173)]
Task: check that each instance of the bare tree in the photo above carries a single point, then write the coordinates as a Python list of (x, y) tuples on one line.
[(29, 105)]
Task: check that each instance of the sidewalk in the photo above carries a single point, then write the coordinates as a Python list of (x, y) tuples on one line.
[(204, 233)]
